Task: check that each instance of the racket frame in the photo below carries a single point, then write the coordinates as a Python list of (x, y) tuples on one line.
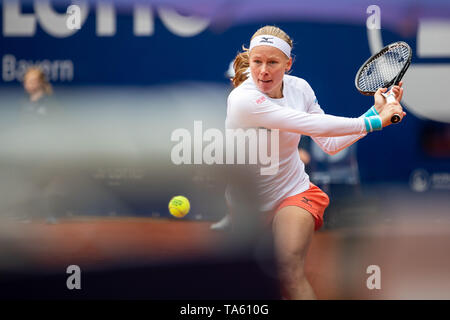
[(394, 81), (389, 96)]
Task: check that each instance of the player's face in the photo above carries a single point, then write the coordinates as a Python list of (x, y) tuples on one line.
[(268, 66), (32, 83)]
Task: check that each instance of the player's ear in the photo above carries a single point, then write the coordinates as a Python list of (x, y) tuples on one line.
[(288, 65)]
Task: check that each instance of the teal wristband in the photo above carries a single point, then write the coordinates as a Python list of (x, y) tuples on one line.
[(371, 112), (373, 123)]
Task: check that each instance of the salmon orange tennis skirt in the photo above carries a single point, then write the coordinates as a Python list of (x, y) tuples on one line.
[(313, 200)]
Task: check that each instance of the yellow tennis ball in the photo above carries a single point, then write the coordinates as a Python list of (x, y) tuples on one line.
[(179, 206)]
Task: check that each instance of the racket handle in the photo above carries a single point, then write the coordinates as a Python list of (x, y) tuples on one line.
[(395, 118), (390, 97)]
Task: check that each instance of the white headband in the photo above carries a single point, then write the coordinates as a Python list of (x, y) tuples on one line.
[(267, 40)]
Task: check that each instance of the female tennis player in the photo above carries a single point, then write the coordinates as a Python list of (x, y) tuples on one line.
[(265, 96)]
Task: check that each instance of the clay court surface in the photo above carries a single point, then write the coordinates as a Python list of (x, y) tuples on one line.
[(94, 241), (413, 257)]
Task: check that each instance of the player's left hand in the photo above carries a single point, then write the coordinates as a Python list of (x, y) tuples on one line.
[(398, 91), (380, 100)]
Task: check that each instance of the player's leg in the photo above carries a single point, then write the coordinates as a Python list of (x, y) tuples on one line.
[(293, 228)]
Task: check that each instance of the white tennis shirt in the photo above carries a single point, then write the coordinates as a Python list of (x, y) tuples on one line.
[(297, 113)]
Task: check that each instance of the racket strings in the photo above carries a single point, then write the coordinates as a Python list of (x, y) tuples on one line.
[(383, 70)]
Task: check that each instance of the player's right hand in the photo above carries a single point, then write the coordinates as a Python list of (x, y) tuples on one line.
[(389, 109)]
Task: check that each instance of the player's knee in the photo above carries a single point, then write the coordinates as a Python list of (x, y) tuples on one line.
[(292, 255), (291, 270)]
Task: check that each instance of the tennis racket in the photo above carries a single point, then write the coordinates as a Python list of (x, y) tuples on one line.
[(383, 70)]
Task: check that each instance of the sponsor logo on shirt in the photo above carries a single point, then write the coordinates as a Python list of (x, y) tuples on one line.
[(260, 100)]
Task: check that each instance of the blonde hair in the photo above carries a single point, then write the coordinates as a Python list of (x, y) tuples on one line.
[(42, 79), (242, 63)]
